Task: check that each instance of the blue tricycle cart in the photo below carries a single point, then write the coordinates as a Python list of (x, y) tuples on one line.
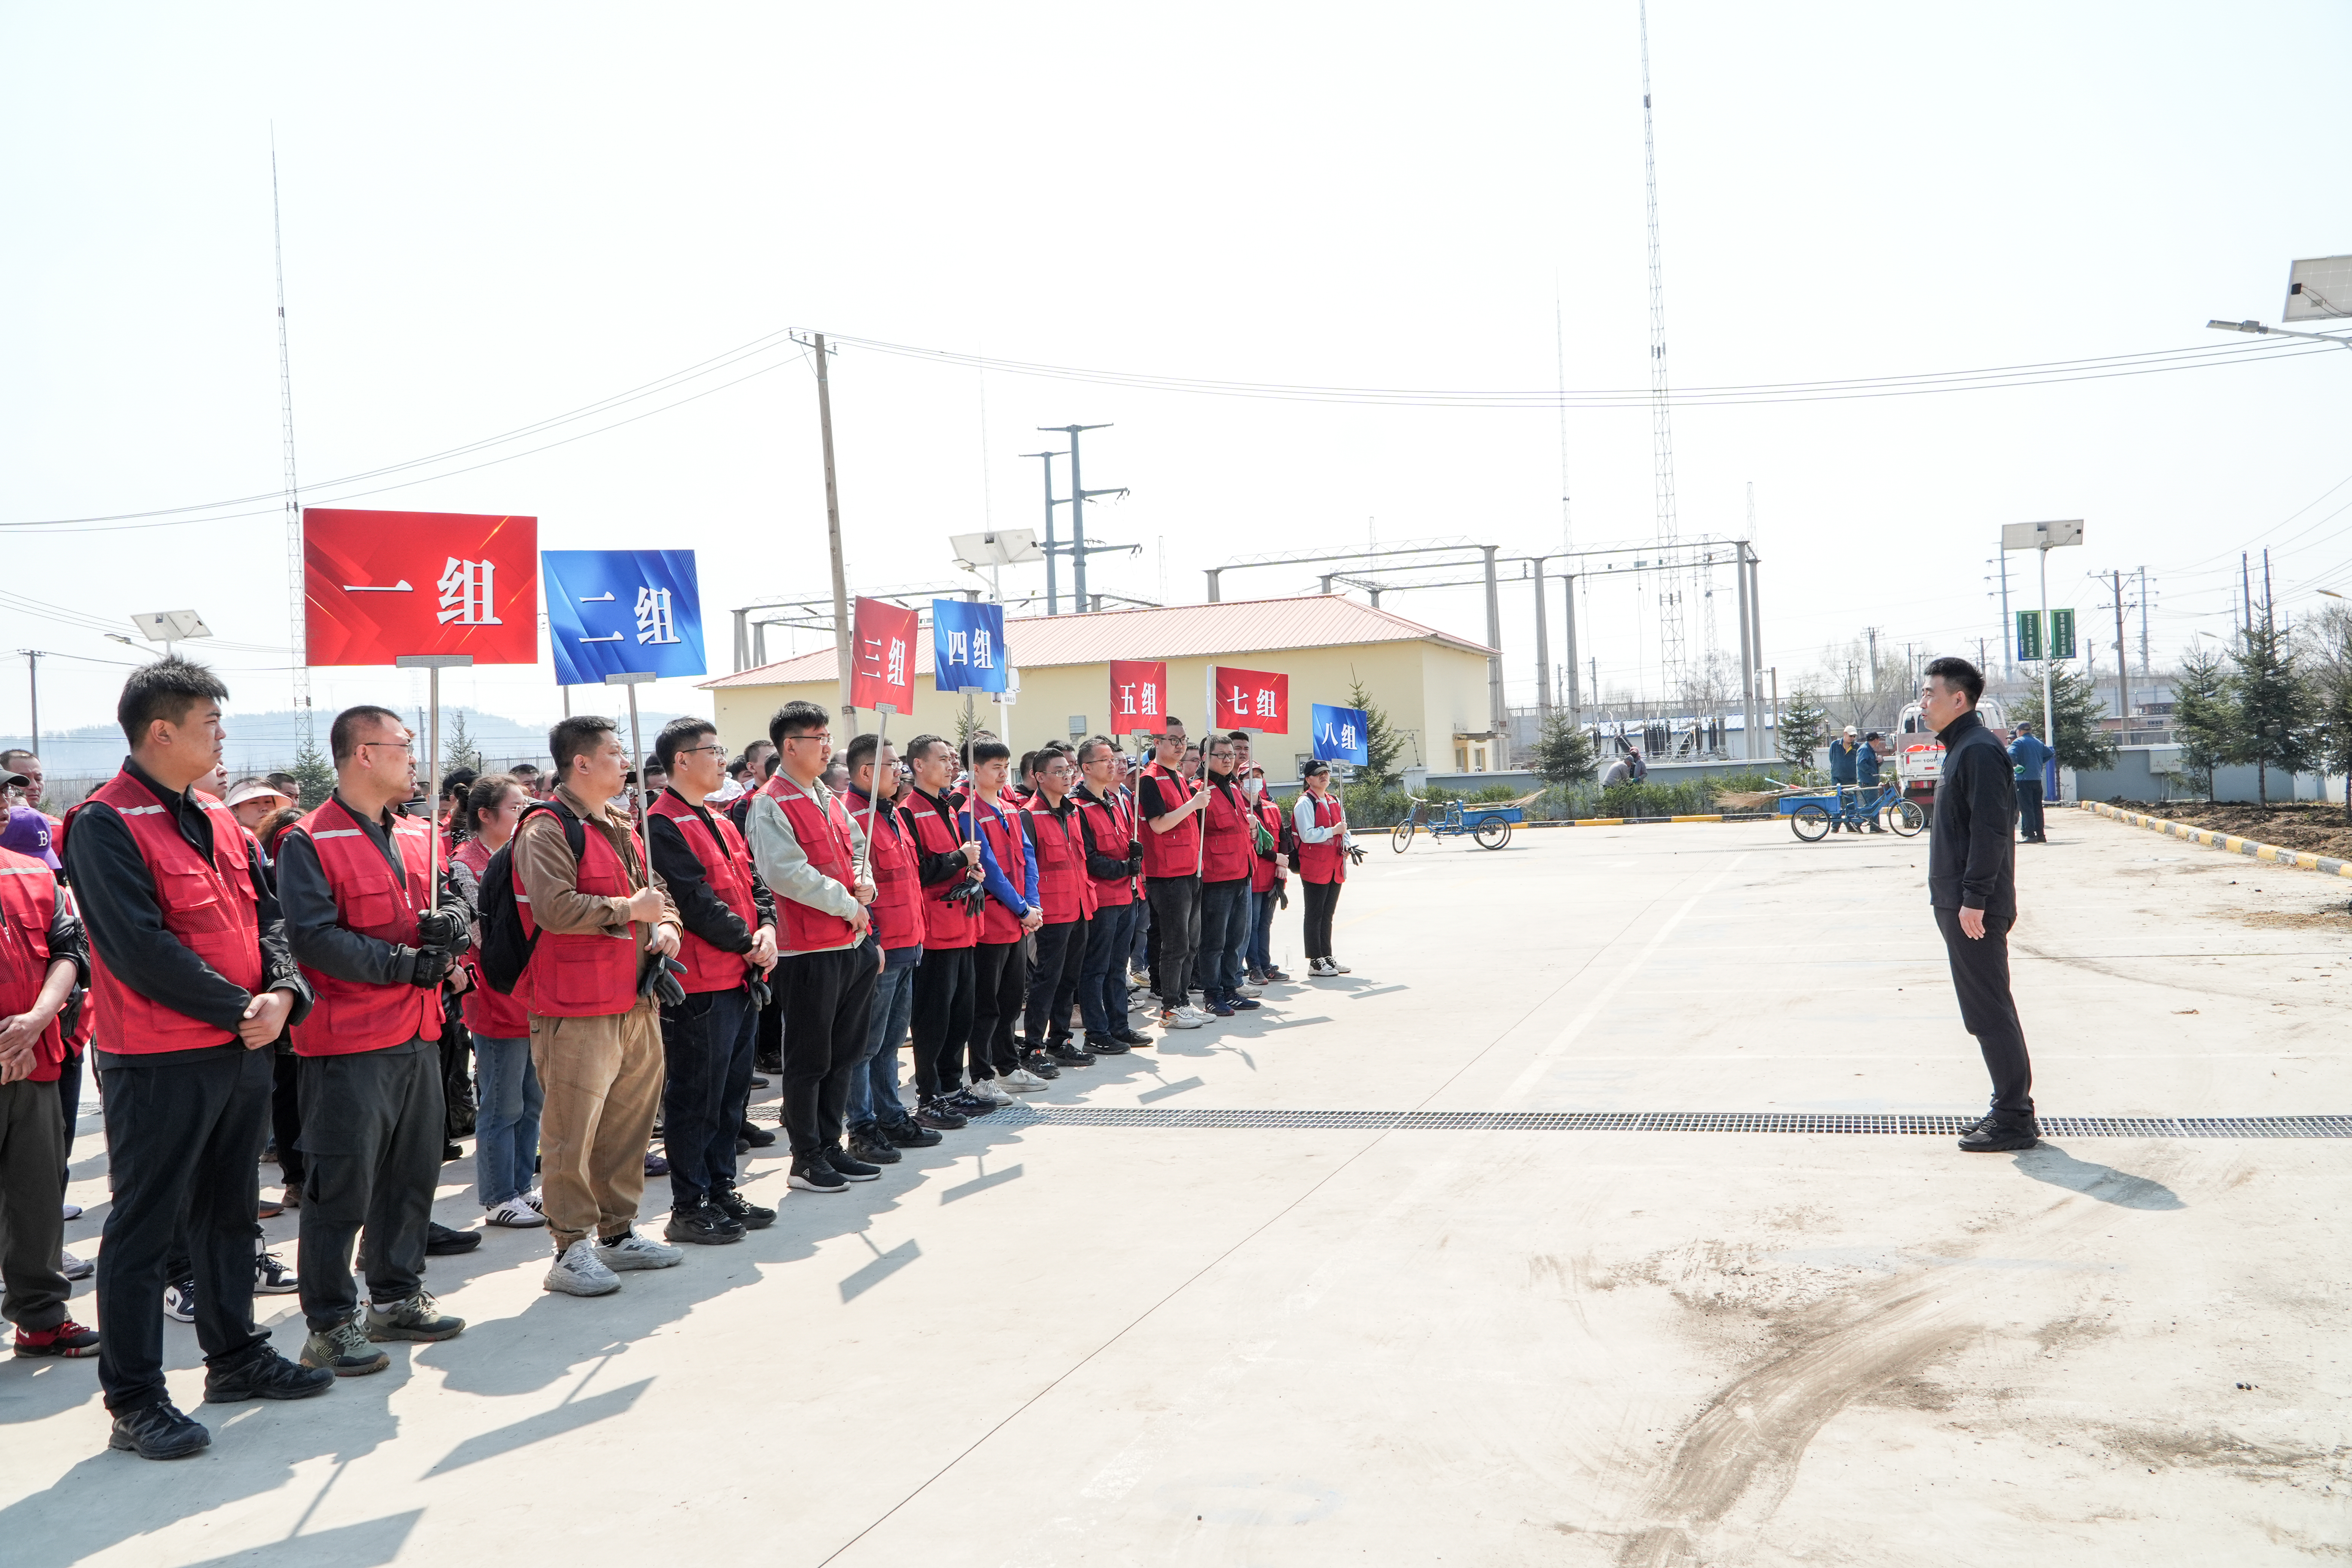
[(1489, 825), (1856, 806)]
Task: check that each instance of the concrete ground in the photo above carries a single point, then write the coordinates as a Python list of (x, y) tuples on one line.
[(1295, 1344)]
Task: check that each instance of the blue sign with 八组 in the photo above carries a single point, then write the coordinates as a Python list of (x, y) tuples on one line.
[(622, 612), (1341, 735), (967, 646)]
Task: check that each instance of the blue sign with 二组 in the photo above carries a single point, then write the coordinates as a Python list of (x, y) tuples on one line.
[(967, 646), (1341, 735), (622, 612)]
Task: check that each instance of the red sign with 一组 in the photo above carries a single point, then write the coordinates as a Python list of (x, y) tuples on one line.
[(382, 585), (1251, 699)]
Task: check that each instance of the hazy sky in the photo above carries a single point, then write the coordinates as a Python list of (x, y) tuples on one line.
[(494, 214)]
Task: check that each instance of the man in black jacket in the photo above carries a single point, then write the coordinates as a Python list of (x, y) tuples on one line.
[(1973, 884)]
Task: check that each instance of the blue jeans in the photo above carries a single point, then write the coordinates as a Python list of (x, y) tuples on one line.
[(506, 1122), (1225, 930), (1259, 957), (1102, 981), (708, 1043), (874, 1102)]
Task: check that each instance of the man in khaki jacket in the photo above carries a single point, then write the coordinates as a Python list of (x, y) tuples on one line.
[(595, 1035)]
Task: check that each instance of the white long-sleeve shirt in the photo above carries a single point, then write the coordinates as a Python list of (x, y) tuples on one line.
[(1302, 816), (784, 865)]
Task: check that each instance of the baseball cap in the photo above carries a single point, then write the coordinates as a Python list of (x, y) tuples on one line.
[(27, 832), (1851, 730)]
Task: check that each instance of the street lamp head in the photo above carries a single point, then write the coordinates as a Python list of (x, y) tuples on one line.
[(2254, 327)]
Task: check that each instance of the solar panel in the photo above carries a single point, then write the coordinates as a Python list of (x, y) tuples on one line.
[(2319, 290)]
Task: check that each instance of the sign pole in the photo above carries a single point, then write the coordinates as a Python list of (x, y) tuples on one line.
[(633, 679), (433, 664), (882, 711)]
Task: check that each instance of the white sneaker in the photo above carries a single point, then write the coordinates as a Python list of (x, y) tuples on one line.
[(1195, 1013), (537, 1200), (1020, 1081), (1338, 967), (516, 1213), (578, 1272), (1179, 1019), (991, 1090), (1248, 990), (1318, 967), (635, 1251)]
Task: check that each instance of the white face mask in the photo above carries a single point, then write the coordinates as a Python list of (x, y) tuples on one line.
[(1251, 786)]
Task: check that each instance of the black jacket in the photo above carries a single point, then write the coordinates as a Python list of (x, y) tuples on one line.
[(116, 895), (314, 924), (935, 871), (1971, 859), (706, 914)]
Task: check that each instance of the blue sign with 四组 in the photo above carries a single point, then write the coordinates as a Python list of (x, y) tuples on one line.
[(1342, 736), (622, 612), (967, 646)]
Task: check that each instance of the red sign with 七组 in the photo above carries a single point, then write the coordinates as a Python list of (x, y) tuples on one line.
[(1251, 699), (382, 585), (1139, 697), (883, 670)]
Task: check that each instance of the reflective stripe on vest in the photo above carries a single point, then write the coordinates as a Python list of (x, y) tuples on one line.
[(208, 906), (588, 974), (824, 834), (1001, 830), (896, 909), (28, 903), (489, 1013), (727, 866), (946, 926), (1227, 857), (349, 1016), (1175, 853), (1062, 880), (1327, 861)]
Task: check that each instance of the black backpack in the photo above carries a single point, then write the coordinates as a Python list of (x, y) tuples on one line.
[(506, 948)]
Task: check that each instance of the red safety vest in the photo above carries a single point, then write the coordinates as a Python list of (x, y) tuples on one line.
[(28, 903), (1327, 861), (348, 1016), (727, 866), (1229, 853), (209, 906), (1175, 853), (946, 926), (491, 1014), (1262, 877), (1064, 888), (823, 833), (585, 974), (897, 906), (1002, 832), (1112, 824)]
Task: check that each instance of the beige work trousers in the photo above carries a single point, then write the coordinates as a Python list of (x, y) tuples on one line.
[(601, 1079)]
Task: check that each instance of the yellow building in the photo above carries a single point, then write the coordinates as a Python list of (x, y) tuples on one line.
[(1432, 685)]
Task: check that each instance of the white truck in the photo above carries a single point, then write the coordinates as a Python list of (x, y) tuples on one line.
[(1920, 756)]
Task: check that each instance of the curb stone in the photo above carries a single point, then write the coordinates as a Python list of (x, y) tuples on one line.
[(2303, 859)]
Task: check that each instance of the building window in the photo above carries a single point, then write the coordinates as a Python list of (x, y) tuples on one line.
[(1461, 759), (1480, 761)]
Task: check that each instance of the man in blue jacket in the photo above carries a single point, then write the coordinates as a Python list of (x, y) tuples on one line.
[(2027, 759), (1866, 779), (1843, 777)]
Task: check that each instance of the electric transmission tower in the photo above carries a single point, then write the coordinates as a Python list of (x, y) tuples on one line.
[(294, 596), (1673, 658)]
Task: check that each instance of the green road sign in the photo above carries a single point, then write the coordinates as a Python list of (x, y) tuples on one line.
[(2061, 633), (2030, 641), (2028, 633)]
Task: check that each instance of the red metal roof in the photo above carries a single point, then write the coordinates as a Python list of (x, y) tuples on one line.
[(1177, 631)]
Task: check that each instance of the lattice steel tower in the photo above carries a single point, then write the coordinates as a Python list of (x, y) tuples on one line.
[(1673, 657)]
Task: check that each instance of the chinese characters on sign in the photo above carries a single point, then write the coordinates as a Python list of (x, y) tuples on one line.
[(1342, 735), (1138, 696), (361, 572), (883, 674), (968, 651), (1251, 699), (622, 612)]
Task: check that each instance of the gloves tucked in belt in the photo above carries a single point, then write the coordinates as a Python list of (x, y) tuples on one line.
[(660, 981), (432, 967)]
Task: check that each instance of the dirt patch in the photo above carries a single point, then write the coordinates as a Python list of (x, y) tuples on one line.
[(2215, 1449), (2339, 919), (2309, 826)]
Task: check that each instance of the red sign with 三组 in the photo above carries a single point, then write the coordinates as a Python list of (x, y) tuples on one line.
[(1251, 699), (883, 671), (382, 585), (1139, 697)]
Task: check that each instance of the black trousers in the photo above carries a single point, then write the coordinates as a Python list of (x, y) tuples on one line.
[(1053, 981), (1980, 977), (828, 1017), (183, 1138), (1000, 980), (286, 1113), (32, 1193), (373, 1126), (1176, 922), (940, 1021), (707, 1043), (2029, 810), (1322, 898), (771, 1034)]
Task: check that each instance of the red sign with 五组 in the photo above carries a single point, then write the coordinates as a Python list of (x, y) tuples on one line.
[(1139, 697), (382, 585), (1251, 699)]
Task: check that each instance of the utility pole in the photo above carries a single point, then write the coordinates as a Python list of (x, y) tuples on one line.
[(33, 673), (2143, 674), (1543, 649), (2245, 592), (841, 644), (296, 610), (1079, 496), (1053, 592), (2269, 625), (2123, 662)]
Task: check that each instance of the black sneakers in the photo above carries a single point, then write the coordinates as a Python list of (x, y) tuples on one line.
[(1104, 1045), (440, 1241), (938, 1114), (158, 1431), (704, 1225), (1041, 1064), (814, 1174), (263, 1374), (1131, 1037), (2001, 1132), (850, 1166), (755, 1135), (910, 1135), (874, 1151), (1068, 1054), (745, 1212)]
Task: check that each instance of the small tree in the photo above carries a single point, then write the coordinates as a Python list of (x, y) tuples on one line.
[(2203, 718), (2273, 703), (314, 772), (2328, 656), (458, 749), (1382, 745), (1804, 728), (2077, 738), (1564, 752)]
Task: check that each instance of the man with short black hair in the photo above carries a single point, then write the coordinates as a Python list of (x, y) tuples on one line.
[(378, 941), (1170, 804), (194, 982), (1972, 886), (1065, 898), (1000, 965), (1114, 857), (827, 963), (879, 1123), (948, 871)]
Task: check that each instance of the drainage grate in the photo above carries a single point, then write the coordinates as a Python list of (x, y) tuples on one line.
[(1670, 1122)]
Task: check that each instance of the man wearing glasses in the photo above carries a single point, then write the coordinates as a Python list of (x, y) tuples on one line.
[(826, 963)]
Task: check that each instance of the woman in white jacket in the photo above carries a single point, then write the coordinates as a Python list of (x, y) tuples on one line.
[(1323, 845)]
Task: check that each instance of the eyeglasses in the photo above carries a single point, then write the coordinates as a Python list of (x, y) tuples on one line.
[(697, 750), (408, 746), (811, 735)]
